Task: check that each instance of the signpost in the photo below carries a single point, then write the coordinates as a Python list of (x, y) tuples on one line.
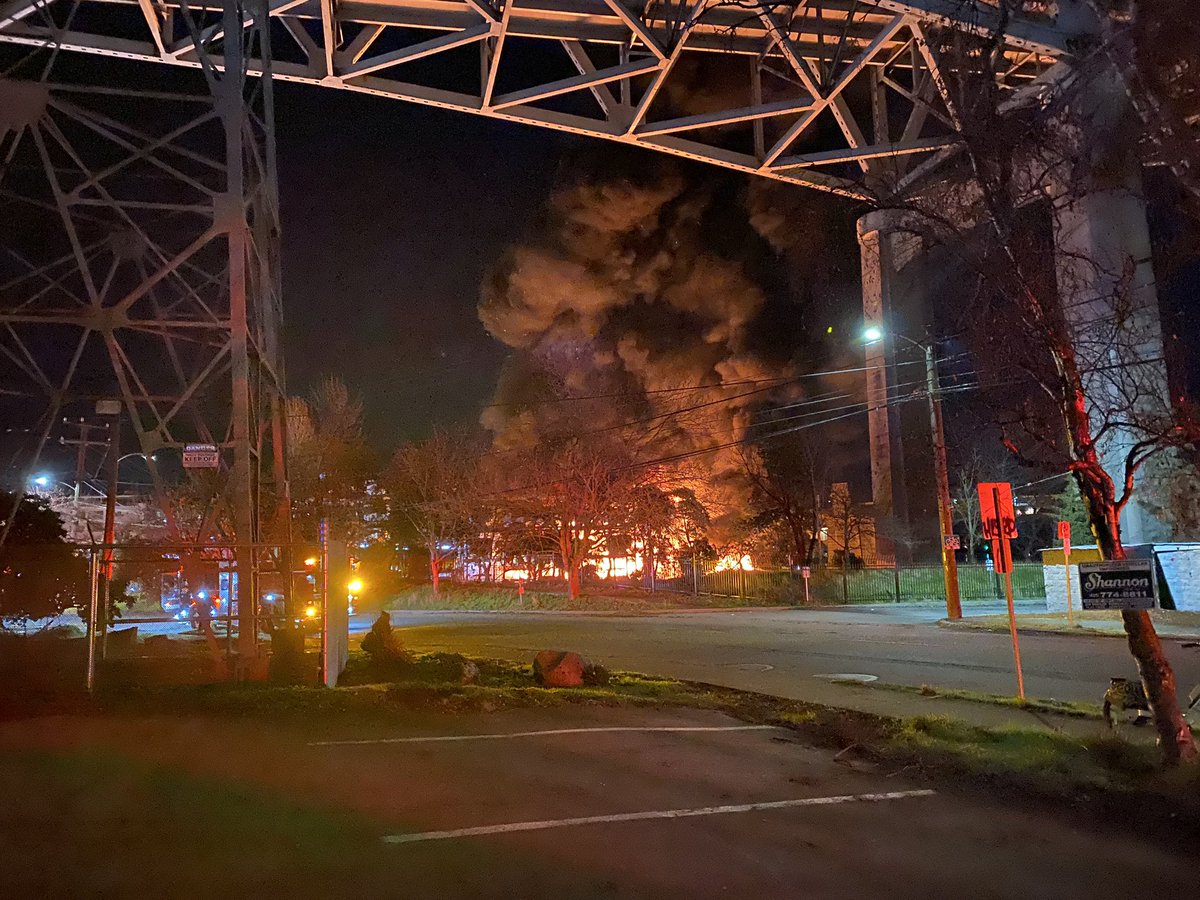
[(806, 572), (335, 624), (201, 456), (1000, 526), (1118, 584), (1064, 534)]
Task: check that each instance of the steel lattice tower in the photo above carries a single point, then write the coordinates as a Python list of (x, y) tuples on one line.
[(140, 260)]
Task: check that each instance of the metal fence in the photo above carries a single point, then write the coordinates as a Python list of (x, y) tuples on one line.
[(872, 584)]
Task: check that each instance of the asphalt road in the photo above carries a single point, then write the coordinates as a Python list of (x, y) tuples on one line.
[(780, 652)]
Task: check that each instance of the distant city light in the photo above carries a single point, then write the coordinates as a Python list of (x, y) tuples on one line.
[(202, 595)]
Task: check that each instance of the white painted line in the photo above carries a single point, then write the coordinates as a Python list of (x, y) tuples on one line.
[(656, 814), (547, 732)]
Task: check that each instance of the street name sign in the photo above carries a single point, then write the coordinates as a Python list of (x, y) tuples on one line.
[(1118, 584)]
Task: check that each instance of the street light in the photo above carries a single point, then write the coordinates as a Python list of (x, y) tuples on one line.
[(873, 334), (42, 481)]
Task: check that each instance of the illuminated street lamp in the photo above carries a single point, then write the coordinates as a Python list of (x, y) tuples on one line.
[(41, 481), (355, 587), (873, 334)]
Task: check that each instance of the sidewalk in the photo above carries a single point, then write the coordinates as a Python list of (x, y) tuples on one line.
[(1172, 624)]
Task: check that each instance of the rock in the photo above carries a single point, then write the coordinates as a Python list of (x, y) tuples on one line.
[(470, 671), (559, 668), (158, 644), (122, 641)]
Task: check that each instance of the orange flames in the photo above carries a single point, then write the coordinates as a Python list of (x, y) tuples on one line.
[(733, 561)]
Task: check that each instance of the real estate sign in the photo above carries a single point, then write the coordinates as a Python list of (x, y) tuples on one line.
[(1118, 584)]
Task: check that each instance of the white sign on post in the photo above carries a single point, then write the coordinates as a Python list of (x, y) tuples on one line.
[(201, 456)]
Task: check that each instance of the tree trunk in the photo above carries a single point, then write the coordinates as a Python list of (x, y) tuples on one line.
[(435, 572), (1174, 736), (1158, 679), (573, 580)]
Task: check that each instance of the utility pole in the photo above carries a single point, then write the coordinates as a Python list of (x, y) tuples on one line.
[(110, 512), (873, 334), (83, 443), (945, 510)]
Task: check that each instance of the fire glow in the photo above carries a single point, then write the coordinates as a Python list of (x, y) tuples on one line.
[(733, 561)]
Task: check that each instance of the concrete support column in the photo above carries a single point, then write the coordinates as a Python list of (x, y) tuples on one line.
[(1107, 289), (876, 241)]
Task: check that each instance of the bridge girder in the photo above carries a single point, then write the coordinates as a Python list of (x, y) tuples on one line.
[(837, 95)]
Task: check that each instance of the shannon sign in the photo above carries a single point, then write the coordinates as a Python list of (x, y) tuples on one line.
[(1118, 584)]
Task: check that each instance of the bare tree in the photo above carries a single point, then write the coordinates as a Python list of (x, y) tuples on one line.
[(786, 477), (434, 484), (850, 528), (328, 461), (578, 489)]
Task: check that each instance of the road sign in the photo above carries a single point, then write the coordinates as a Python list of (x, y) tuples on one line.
[(996, 510), (108, 407), (806, 572), (1002, 556), (1118, 584), (201, 456), (953, 542), (1064, 534)]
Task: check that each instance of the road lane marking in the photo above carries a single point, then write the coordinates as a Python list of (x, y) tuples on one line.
[(547, 732), (654, 814)]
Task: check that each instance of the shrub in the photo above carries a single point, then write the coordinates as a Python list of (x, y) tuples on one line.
[(381, 644)]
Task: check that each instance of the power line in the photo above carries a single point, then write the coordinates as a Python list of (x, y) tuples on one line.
[(777, 381), (690, 454)]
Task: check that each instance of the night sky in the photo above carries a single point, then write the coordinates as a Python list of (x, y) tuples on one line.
[(392, 213)]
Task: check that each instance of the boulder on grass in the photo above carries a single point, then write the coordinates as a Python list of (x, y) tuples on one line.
[(158, 645), (122, 641), (559, 668)]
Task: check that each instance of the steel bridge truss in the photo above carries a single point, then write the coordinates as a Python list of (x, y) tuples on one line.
[(139, 261), (841, 95)]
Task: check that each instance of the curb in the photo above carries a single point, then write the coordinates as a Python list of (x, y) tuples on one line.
[(1077, 631)]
